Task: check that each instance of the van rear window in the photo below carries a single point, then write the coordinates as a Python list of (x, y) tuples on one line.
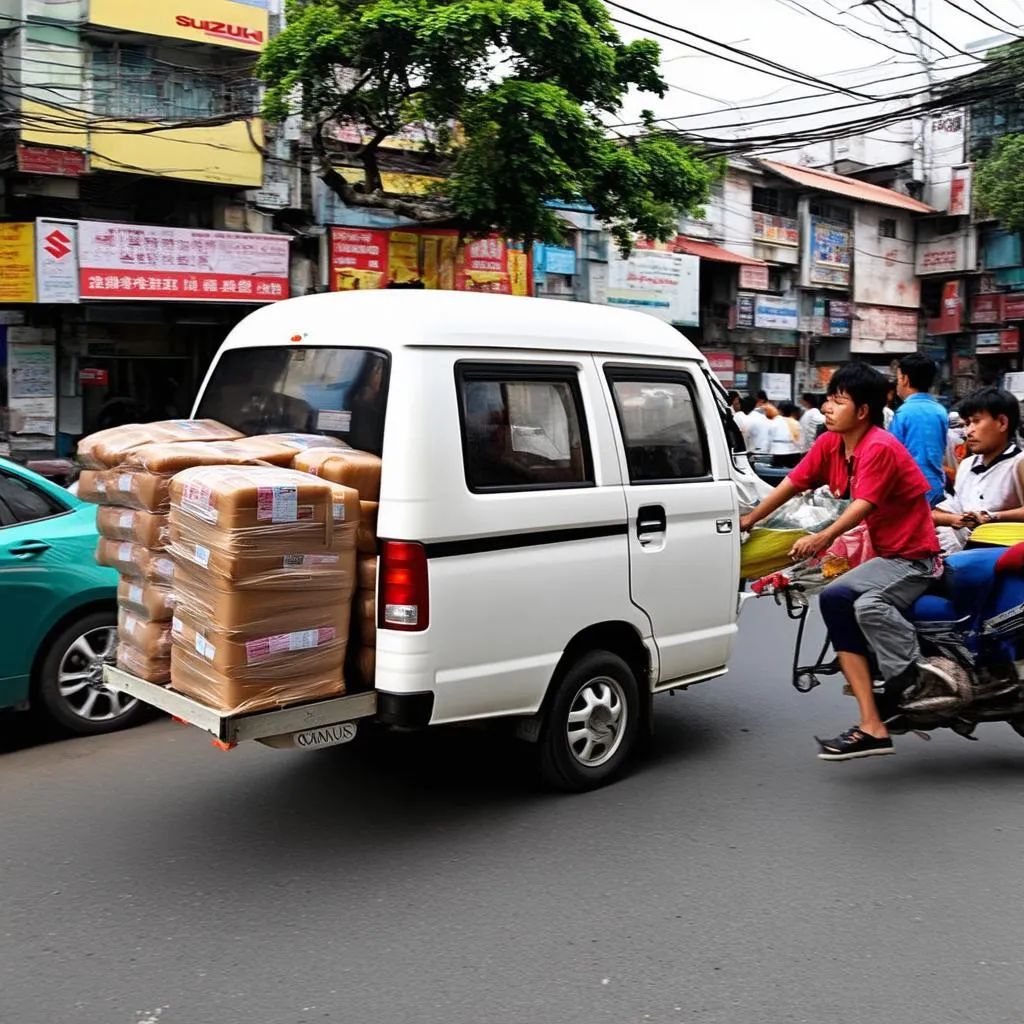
[(338, 392)]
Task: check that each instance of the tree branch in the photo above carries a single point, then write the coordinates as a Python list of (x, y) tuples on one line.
[(425, 212)]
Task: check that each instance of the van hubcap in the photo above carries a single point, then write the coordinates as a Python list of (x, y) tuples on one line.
[(80, 677), (597, 721)]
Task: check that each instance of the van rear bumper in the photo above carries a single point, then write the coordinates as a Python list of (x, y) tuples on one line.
[(405, 710)]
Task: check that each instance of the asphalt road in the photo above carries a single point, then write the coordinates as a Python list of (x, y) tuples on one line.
[(732, 878)]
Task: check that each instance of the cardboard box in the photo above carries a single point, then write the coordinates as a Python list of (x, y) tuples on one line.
[(348, 467), (154, 670), (150, 600), (366, 573), (194, 677), (148, 636), (108, 448), (366, 536), (150, 529), (135, 561)]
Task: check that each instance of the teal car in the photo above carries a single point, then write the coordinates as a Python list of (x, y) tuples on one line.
[(58, 608)]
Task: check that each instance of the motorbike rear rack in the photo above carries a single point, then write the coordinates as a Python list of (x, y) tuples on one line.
[(805, 677)]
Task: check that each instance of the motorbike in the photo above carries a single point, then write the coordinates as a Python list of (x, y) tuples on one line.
[(970, 625)]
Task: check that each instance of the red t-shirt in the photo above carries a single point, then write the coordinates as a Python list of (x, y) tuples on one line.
[(885, 474)]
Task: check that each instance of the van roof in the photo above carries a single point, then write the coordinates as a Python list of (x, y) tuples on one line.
[(445, 319)]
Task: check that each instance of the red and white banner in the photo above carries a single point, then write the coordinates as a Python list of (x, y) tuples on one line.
[(137, 261)]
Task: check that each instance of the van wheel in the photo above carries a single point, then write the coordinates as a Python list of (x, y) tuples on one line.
[(592, 723)]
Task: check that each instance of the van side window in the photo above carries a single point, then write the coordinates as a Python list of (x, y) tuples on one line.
[(661, 428), (522, 429)]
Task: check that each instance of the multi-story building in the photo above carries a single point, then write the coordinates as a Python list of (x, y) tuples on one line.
[(134, 210)]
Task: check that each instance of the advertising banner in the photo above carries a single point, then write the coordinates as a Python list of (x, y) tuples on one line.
[(240, 25), (17, 263), (885, 329), (840, 313), (987, 309), (32, 388), (755, 279), (371, 258), (946, 255), (746, 306), (774, 313), (777, 386), (664, 284), (776, 230), (137, 261), (949, 319), (723, 366), (57, 261), (831, 253), (1013, 306)]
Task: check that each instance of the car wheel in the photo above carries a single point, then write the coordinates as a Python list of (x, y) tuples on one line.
[(70, 685), (592, 723)]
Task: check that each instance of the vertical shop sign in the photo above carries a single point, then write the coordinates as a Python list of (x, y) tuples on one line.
[(57, 261), (17, 263)]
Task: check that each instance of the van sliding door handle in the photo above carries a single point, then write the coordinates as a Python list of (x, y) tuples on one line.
[(650, 519)]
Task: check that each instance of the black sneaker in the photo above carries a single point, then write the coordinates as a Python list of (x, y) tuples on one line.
[(852, 744)]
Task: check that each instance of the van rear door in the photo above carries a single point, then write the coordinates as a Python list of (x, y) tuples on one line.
[(683, 514)]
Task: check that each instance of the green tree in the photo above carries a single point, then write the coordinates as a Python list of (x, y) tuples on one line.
[(999, 183), (527, 82)]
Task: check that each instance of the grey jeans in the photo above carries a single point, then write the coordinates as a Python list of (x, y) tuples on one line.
[(865, 608)]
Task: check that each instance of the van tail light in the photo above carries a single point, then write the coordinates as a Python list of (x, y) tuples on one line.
[(404, 594)]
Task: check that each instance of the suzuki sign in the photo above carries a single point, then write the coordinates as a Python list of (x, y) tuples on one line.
[(241, 24), (57, 261)]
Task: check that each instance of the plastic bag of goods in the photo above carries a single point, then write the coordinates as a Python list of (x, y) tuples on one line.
[(136, 562), (108, 448), (148, 600), (811, 512), (151, 637), (136, 663), (126, 487)]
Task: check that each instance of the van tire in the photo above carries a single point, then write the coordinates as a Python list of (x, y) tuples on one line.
[(592, 723)]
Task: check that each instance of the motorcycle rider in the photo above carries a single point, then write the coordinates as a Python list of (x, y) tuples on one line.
[(858, 460), (989, 484)]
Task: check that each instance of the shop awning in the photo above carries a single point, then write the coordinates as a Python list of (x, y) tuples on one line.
[(710, 251)]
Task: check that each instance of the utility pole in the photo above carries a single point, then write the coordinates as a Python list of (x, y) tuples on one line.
[(921, 12)]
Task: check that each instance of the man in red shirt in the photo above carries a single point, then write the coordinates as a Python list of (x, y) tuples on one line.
[(864, 609)]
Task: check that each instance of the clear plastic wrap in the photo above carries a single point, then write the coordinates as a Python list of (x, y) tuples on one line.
[(154, 670), (152, 638), (108, 448), (348, 467), (245, 670), (168, 458), (150, 529), (366, 535), (92, 486), (366, 573), (205, 598), (135, 561), (234, 497), (133, 488), (149, 600), (194, 677)]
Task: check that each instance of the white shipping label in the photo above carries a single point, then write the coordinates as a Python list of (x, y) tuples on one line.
[(328, 419), (127, 520), (304, 640), (339, 512), (124, 552), (204, 648), (308, 561), (135, 594), (278, 504), (129, 625), (202, 556), (124, 482), (177, 626)]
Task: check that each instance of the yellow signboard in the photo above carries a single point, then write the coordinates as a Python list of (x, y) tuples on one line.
[(394, 182), (217, 22), (17, 263)]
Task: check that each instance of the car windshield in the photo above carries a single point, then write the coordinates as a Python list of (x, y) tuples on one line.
[(339, 392)]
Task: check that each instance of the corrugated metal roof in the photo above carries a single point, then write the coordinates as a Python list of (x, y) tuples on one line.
[(839, 184), (710, 251)]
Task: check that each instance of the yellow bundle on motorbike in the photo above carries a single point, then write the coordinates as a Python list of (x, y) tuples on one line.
[(767, 551), (1003, 535)]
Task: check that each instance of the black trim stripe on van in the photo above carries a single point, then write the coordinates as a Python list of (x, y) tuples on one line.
[(511, 541)]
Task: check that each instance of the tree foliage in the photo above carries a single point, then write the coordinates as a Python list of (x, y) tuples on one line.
[(999, 183), (526, 82)]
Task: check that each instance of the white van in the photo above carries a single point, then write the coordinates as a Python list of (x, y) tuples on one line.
[(558, 515)]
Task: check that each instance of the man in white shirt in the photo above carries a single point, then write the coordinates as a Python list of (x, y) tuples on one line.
[(759, 433), (811, 423), (738, 415), (990, 480)]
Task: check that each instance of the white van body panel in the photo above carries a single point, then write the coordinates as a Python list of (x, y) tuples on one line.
[(515, 576)]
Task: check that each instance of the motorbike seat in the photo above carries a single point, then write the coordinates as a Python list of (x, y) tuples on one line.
[(963, 591)]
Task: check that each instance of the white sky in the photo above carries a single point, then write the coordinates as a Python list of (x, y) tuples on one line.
[(704, 90)]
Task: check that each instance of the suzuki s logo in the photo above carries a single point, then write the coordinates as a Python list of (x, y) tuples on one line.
[(58, 245), (222, 29)]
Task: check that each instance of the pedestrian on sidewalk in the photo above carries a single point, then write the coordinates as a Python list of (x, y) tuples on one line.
[(921, 423)]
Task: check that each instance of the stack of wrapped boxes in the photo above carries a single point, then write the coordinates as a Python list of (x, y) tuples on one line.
[(133, 524), (361, 471), (240, 585), (265, 567)]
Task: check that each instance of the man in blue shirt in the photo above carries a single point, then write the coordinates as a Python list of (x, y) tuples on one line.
[(921, 423)]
